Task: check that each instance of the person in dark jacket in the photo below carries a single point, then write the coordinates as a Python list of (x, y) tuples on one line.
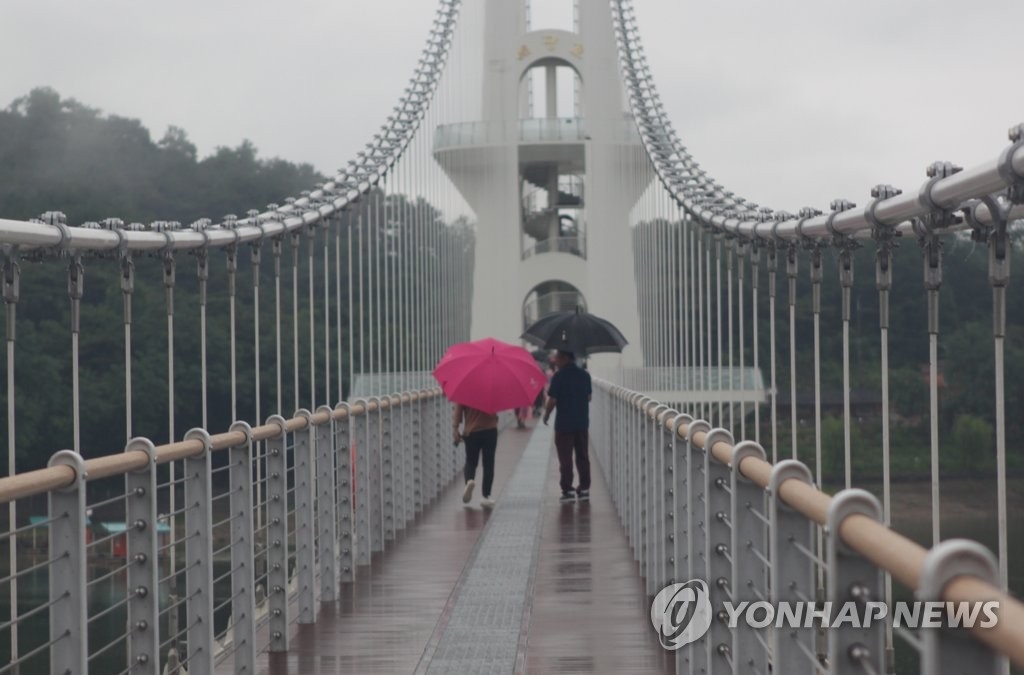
[(569, 394)]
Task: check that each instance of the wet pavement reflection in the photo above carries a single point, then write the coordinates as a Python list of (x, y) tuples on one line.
[(590, 613)]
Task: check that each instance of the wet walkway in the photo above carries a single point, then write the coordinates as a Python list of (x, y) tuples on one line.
[(533, 586)]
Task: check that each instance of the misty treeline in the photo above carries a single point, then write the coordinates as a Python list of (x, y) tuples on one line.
[(61, 155), (966, 361)]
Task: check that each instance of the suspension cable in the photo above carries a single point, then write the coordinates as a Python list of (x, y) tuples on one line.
[(755, 280), (772, 268), (12, 292)]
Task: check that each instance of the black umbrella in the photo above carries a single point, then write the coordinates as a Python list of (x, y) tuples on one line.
[(541, 355), (577, 332)]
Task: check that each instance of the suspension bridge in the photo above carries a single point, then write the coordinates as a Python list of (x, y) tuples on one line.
[(300, 510)]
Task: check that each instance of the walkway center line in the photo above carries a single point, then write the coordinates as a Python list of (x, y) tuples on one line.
[(482, 631)]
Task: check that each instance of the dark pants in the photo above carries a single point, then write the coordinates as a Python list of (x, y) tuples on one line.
[(485, 441), (566, 442)]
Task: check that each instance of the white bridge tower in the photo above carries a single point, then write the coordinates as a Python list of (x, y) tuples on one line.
[(549, 171)]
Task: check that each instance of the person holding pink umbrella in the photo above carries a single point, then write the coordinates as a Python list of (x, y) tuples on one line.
[(480, 432), (483, 378)]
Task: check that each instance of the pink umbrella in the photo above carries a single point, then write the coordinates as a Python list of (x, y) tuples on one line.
[(489, 375)]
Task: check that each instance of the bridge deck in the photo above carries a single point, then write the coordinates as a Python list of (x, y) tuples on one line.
[(534, 586)]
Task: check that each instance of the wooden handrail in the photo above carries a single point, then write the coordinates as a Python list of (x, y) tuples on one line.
[(41, 481), (883, 546)]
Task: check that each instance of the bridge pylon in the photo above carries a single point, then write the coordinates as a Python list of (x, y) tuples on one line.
[(551, 172)]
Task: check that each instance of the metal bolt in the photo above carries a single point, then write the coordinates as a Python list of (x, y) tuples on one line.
[(142, 591), (860, 592), (141, 625), (858, 652)]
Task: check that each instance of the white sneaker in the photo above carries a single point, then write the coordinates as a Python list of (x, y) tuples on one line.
[(467, 494), (487, 503)]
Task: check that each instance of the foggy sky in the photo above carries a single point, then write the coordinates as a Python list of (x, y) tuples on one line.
[(789, 103)]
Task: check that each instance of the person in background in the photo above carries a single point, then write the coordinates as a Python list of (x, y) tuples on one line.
[(569, 393), (480, 432)]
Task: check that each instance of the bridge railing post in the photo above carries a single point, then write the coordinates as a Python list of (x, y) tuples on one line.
[(852, 578), (631, 464), (199, 554), (361, 437), (615, 426), (389, 471), (432, 455), (945, 651), (655, 500), (243, 593), (277, 536), (68, 602), (304, 519), (416, 443), (717, 553), (327, 523), (698, 496), (681, 564), (143, 560), (406, 460), (343, 434), (664, 570), (448, 454), (792, 545), (750, 558), (375, 487), (645, 490), (636, 495)]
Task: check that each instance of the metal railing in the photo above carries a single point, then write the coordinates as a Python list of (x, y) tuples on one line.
[(486, 132), (697, 505), (337, 485), (572, 245)]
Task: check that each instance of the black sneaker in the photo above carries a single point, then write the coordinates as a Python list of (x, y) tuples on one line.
[(568, 496), (583, 495)]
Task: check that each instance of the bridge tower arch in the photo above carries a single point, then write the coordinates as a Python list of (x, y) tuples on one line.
[(552, 191)]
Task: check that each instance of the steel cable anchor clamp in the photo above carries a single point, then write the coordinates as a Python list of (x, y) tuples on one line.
[(814, 246), (1014, 180), (936, 218), (925, 227), (757, 240), (774, 240), (11, 286), (846, 245), (884, 235), (58, 220), (995, 234)]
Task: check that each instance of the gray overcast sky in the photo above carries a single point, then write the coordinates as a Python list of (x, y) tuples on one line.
[(789, 102)]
